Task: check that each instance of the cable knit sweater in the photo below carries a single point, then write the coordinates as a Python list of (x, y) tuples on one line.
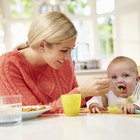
[(38, 85)]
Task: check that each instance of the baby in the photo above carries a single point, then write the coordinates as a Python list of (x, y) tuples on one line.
[(125, 87)]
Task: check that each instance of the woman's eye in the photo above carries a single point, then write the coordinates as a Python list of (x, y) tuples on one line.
[(64, 51)]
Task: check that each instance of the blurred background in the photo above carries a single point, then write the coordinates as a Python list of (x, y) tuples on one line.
[(106, 28)]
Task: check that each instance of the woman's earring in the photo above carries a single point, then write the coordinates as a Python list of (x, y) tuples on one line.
[(42, 50)]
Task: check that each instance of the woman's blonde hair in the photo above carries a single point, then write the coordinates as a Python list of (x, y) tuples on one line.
[(54, 27)]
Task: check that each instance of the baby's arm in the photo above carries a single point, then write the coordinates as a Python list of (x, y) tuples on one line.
[(137, 103), (95, 104), (129, 108)]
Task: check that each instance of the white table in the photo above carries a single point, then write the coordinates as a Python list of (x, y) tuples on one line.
[(83, 127)]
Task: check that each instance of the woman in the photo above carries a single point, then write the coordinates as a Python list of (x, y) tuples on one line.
[(41, 70)]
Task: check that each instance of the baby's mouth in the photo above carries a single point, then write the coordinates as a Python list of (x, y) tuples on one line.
[(121, 88)]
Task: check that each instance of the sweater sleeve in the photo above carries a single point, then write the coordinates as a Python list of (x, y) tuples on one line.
[(75, 83), (137, 103), (136, 95), (12, 83), (95, 99), (74, 87)]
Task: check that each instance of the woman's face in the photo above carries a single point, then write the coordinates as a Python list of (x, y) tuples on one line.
[(56, 54), (124, 77)]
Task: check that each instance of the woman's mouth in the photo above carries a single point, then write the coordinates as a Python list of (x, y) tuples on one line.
[(61, 61)]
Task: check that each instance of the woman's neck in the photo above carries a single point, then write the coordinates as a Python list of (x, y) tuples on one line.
[(32, 56)]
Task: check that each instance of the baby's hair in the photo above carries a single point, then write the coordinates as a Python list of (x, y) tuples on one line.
[(125, 59)]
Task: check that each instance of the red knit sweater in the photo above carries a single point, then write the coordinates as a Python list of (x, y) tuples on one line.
[(38, 85)]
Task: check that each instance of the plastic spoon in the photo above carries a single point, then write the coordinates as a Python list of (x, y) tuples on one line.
[(117, 88), (136, 111)]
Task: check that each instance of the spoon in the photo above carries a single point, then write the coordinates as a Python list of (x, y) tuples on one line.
[(136, 111), (117, 88)]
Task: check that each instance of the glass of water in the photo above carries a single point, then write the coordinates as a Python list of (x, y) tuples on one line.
[(10, 110)]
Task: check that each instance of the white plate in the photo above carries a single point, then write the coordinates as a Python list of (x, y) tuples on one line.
[(33, 114)]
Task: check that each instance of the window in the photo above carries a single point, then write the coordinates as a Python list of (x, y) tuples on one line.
[(105, 22), (17, 27), (84, 39), (103, 6), (94, 23), (0, 10), (106, 35), (21, 8), (2, 45), (93, 20), (15, 18), (79, 7)]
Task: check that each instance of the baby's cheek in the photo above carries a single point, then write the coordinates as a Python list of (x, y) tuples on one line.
[(131, 88), (114, 91)]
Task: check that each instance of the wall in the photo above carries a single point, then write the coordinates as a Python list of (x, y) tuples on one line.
[(127, 26), (84, 75)]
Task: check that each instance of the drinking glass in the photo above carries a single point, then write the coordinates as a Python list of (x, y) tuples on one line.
[(10, 110), (71, 104)]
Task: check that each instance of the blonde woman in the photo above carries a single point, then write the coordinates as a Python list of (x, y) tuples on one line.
[(41, 69)]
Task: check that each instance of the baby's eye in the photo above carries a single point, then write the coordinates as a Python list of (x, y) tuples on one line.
[(114, 77), (126, 75)]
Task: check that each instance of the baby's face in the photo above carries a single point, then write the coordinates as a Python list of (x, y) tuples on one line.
[(124, 79)]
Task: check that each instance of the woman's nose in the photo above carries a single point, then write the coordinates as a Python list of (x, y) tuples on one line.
[(68, 56)]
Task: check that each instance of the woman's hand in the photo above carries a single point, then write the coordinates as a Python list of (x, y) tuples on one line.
[(56, 107), (95, 87)]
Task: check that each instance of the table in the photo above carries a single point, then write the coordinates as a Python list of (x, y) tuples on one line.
[(83, 127)]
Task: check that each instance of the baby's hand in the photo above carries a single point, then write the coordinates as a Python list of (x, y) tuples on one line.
[(129, 108), (95, 108)]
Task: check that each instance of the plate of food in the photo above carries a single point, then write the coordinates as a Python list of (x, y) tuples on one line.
[(31, 112)]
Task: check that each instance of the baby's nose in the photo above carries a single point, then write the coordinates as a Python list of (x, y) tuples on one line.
[(120, 79)]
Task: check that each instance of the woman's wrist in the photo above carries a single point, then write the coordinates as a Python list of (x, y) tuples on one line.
[(75, 91), (82, 93)]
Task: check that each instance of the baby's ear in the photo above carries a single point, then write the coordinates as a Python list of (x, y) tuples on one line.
[(138, 78)]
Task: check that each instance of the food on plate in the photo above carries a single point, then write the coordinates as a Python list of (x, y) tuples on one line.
[(114, 109), (41, 107), (32, 108)]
